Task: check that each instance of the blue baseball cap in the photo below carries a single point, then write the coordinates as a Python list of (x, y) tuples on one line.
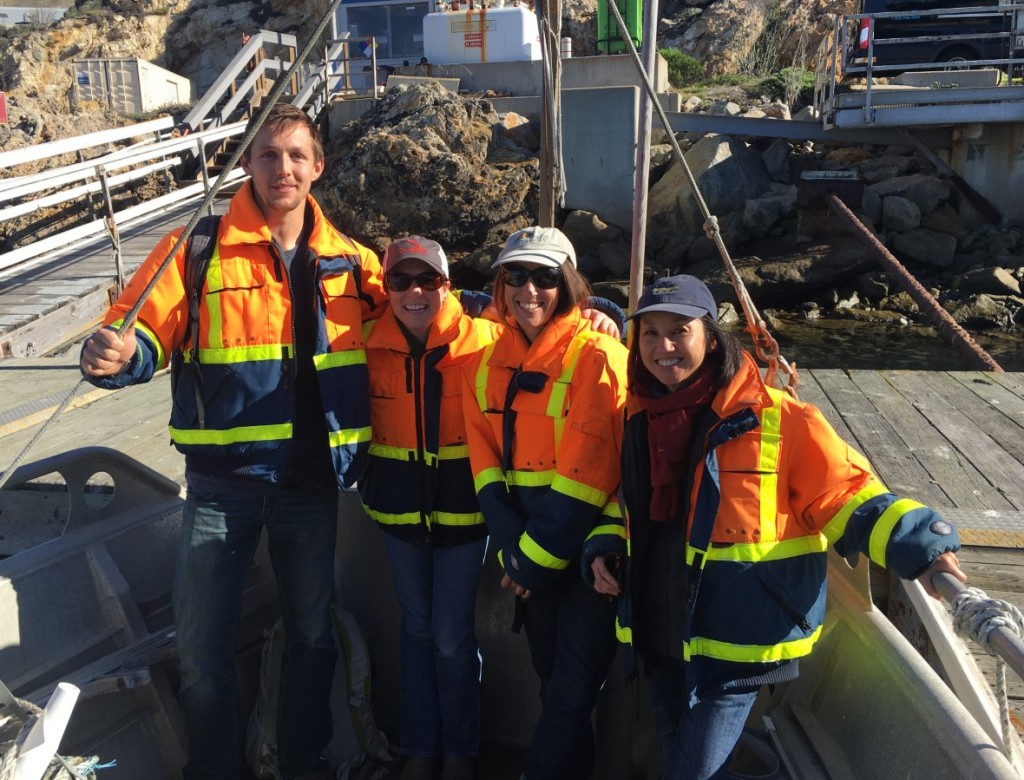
[(685, 295)]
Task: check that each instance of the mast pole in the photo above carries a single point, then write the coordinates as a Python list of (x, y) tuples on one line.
[(641, 172), (549, 17)]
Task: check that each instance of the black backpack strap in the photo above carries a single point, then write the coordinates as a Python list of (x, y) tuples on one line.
[(201, 244)]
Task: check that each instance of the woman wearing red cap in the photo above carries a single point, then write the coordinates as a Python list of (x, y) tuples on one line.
[(732, 492), (419, 489), (543, 410)]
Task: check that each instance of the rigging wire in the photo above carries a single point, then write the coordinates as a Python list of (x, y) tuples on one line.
[(765, 346), (281, 83)]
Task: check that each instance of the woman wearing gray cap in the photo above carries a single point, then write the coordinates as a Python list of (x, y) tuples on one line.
[(732, 491), (543, 409)]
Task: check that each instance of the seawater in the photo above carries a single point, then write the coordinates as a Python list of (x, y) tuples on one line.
[(828, 343)]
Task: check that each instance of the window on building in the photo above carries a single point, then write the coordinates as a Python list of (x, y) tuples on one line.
[(398, 28)]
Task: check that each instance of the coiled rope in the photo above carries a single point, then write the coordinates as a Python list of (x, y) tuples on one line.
[(977, 616), (765, 346), (275, 93)]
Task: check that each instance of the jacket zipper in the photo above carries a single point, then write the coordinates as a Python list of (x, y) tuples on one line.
[(289, 368), (417, 396)]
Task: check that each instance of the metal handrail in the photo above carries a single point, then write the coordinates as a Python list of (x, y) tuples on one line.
[(1005, 644), (251, 50), (78, 143)]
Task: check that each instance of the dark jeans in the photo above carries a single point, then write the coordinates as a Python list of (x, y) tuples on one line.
[(696, 742), (571, 632), (219, 537), (440, 679)]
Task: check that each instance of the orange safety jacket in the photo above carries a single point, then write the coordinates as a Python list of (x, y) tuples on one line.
[(544, 421), (772, 485), (245, 355), (418, 484)]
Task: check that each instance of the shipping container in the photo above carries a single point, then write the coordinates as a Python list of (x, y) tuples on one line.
[(129, 86)]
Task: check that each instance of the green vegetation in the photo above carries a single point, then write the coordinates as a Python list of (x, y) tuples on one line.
[(683, 69), (790, 85)]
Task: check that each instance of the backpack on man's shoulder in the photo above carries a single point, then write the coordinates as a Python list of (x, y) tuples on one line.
[(355, 740)]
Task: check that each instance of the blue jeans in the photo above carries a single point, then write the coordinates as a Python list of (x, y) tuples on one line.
[(571, 632), (440, 677), (219, 536), (696, 742)]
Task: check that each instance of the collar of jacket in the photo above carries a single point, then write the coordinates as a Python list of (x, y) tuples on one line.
[(544, 355), (444, 329), (744, 391), (245, 224)]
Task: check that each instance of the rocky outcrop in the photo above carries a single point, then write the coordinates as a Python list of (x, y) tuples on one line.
[(425, 161)]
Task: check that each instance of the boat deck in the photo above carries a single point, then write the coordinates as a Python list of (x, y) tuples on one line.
[(952, 440)]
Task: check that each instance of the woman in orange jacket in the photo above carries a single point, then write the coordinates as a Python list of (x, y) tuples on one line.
[(418, 487), (733, 491), (543, 413)]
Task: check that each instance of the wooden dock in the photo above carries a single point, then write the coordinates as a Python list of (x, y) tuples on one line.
[(952, 440), (45, 303)]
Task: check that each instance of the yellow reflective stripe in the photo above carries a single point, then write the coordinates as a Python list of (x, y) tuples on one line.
[(214, 314), (246, 433), (488, 477), (368, 327), (347, 357), (623, 633), (539, 555), (560, 387), (691, 556), (837, 525), (768, 466), (882, 531), (453, 452), (387, 518), (392, 453), (227, 355), (783, 651), (481, 377), (349, 436), (604, 530), (769, 551), (579, 491), (612, 509), (458, 518), (161, 356), (530, 478)]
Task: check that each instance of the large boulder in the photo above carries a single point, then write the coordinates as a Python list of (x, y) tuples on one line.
[(420, 162), (728, 174)]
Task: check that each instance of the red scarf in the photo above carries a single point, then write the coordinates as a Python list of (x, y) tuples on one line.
[(670, 431)]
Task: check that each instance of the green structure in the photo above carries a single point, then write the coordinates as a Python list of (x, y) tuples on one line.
[(610, 39)]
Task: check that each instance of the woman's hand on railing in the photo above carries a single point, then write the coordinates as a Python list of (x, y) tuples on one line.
[(947, 562)]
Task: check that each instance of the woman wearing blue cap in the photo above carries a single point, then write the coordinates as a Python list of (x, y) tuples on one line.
[(732, 491)]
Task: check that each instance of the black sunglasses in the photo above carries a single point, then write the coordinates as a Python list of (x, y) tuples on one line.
[(428, 281), (544, 277)]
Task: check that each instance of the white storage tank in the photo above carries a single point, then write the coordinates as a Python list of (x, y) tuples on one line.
[(506, 34)]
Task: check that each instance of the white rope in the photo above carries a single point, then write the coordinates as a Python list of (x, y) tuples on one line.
[(975, 615)]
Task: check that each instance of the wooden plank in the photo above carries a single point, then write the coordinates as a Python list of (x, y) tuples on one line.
[(956, 477), (1001, 474), (1012, 382), (1000, 413), (811, 392), (895, 465)]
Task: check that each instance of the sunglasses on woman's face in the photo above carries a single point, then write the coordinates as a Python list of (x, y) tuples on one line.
[(428, 281), (544, 277)]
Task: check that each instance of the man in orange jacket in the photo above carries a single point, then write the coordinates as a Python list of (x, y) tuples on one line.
[(271, 411)]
